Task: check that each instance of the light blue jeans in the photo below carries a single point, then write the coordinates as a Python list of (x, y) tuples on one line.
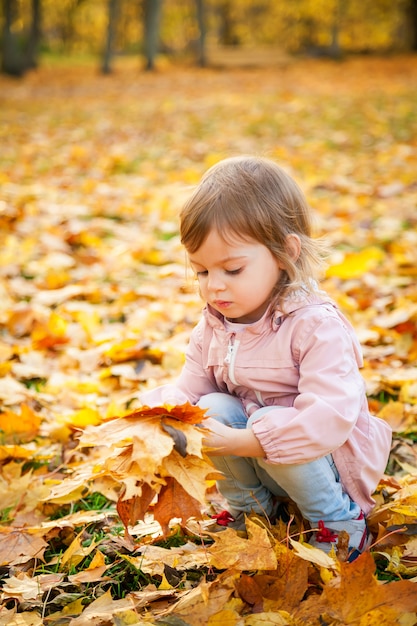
[(250, 483)]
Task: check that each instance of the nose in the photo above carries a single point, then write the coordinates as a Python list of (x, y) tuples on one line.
[(215, 282)]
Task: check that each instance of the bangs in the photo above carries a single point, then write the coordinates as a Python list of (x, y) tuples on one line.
[(222, 214)]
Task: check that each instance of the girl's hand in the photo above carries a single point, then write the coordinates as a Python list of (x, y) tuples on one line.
[(225, 441)]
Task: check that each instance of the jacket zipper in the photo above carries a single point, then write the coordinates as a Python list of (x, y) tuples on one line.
[(230, 359), (260, 398)]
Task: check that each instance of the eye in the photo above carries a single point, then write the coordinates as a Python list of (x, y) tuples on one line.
[(234, 272), (201, 273)]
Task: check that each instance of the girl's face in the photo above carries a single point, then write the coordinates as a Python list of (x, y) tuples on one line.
[(236, 276)]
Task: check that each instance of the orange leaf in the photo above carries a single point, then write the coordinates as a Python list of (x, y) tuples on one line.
[(250, 592), (23, 427), (284, 587), (183, 412), (174, 501), (134, 509), (356, 595)]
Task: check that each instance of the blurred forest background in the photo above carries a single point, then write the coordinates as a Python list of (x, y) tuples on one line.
[(200, 31)]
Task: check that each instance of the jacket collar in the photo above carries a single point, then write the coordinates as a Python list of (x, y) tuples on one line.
[(296, 301)]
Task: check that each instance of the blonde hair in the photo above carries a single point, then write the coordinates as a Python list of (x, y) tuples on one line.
[(252, 197)]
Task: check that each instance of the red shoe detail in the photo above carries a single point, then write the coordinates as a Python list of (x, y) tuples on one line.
[(325, 535), (223, 518)]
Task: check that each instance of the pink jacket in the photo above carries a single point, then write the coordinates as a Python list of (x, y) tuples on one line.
[(306, 363)]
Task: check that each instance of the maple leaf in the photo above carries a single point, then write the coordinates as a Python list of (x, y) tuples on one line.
[(132, 509), (19, 427), (20, 492), (101, 610), (140, 455), (175, 502), (191, 472), (25, 587), (152, 558), (18, 544), (355, 595), (186, 412), (285, 587), (198, 606), (232, 551)]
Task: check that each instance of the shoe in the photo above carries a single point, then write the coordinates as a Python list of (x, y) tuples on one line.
[(327, 535), (224, 520)]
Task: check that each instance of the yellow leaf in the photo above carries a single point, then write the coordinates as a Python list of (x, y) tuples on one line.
[(394, 414), (280, 618), (75, 553), (314, 555), (98, 560), (21, 427), (164, 586), (408, 392), (355, 264), (227, 617), (69, 496), (232, 551), (126, 617), (190, 472), (73, 608), (326, 575), (15, 452), (85, 417)]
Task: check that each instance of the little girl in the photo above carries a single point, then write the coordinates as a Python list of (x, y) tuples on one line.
[(273, 360)]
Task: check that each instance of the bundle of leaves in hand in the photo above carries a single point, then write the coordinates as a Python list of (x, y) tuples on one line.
[(153, 456)]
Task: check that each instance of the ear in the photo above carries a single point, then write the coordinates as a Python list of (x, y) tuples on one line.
[(293, 245)]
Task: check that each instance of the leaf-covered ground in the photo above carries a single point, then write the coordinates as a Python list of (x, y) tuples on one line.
[(96, 304)]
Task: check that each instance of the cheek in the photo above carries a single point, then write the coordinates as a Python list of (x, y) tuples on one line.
[(201, 289)]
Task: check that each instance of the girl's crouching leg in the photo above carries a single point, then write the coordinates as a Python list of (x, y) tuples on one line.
[(241, 487)]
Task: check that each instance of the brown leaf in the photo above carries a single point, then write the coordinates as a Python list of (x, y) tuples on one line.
[(134, 509), (101, 610), (248, 589), (356, 595), (15, 544), (197, 606), (175, 502), (284, 587)]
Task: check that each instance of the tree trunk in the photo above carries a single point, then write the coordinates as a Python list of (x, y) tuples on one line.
[(35, 34), (335, 51), (202, 30), (12, 58), (151, 19), (113, 14), (412, 19), (227, 34)]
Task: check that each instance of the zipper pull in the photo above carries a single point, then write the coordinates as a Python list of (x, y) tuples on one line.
[(229, 354), (230, 349)]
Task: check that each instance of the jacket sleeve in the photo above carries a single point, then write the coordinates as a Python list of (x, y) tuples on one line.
[(193, 381), (331, 394)]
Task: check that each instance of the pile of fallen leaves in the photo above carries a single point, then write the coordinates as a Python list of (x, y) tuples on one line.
[(103, 501)]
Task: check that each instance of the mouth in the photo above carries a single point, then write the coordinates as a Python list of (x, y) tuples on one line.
[(222, 304)]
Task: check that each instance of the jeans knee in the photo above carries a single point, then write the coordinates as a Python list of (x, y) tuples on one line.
[(224, 408)]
